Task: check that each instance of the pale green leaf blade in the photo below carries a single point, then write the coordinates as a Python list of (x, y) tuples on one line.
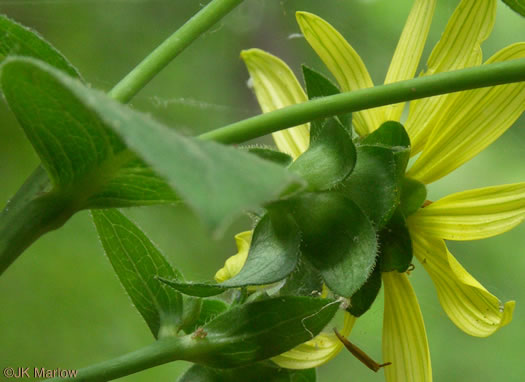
[(17, 40), (138, 263), (517, 6), (264, 329)]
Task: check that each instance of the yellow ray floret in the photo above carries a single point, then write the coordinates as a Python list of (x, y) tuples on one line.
[(458, 48), (404, 337), (467, 303), (409, 50), (275, 87), (474, 214), (344, 63), (474, 120)]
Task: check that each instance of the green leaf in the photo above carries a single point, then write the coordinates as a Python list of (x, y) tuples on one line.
[(133, 184), (338, 239), (276, 157), (68, 125), (17, 40), (413, 195), (318, 86), (252, 373), (363, 299), (517, 6), (88, 164), (263, 329), (395, 245), (137, 263), (373, 184), (329, 160), (305, 280)]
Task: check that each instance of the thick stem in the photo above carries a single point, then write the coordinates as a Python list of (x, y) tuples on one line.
[(422, 87), (169, 49), (31, 213), (158, 353)]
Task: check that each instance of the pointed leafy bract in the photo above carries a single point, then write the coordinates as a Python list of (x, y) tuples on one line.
[(413, 195), (305, 280), (137, 263), (373, 184), (318, 86), (263, 329), (338, 239), (72, 127), (253, 373), (277, 157), (195, 289), (330, 158), (273, 254), (363, 299), (392, 135), (88, 164), (17, 40), (395, 245)]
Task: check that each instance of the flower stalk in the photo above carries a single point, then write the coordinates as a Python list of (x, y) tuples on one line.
[(362, 99)]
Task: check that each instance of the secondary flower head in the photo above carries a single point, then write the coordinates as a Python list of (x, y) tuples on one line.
[(446, 131)]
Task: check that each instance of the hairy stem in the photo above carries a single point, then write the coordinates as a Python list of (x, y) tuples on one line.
[(130, 85), (158, 353), (31, 213), (422, 87)]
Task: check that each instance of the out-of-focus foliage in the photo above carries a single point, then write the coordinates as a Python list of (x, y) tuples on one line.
[(59, 299)]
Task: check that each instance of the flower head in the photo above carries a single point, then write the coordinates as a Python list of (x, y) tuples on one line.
[(446, 131)]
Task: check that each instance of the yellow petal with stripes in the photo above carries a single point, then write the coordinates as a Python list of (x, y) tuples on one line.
[(404, 337), (459, 47), (474, 214), (234, 264), (344, 63), (409, 50), (317, 351), (275, 87), (475, 120), (467, 303)]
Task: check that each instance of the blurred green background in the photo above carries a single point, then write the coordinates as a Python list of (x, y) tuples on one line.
[(61, 304)]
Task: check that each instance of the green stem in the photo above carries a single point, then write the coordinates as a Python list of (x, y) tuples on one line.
[(32, 212), (158, 353), (169, 49), (422, 87), (29, 215)]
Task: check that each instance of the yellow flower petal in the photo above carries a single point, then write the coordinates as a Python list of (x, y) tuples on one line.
[(474, 214), (467, 303), (409, 49), (234, 264), (459, 47), (344, 63), (404, 338), (317, 351), (475, 120), (275, 87)]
